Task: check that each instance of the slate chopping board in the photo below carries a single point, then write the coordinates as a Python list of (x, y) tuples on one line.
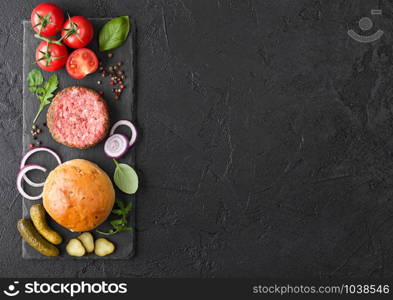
[(119, 109)]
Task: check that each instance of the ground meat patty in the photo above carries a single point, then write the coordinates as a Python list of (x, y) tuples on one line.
[(78, 117)]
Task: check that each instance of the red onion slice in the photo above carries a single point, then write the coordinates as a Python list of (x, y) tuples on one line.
[(116, 145), (128, 124), (19, 178), (26, 157)]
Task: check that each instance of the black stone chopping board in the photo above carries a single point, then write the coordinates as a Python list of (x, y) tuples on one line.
[(119, 109)]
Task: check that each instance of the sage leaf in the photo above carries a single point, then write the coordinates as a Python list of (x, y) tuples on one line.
[(125, 178), (114, 33)]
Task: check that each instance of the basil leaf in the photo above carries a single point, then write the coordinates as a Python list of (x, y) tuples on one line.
[(114, 33), (34, 79), (125, 178)]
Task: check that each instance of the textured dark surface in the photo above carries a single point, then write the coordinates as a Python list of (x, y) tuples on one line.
[(266, 144), (118, 110)]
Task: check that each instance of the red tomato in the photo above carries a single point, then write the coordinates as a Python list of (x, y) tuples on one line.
[(81, 62), (47, 19), (50, 56), (77, 32)]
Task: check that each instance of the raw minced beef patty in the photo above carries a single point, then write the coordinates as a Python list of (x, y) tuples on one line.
[(78, 117)]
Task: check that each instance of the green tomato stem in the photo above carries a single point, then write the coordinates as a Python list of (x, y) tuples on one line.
[(47, 40)]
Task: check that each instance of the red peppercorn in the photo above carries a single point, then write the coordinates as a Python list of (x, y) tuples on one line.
[(101, 92), (122, 86), (112, 83), (31, 145)]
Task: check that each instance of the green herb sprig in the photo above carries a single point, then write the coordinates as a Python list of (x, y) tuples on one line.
[(44, 93), (121, 223)]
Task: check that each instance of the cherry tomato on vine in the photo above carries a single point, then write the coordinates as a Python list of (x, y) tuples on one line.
[(77, 32), (81, 62), (47, 19), (51, 56)]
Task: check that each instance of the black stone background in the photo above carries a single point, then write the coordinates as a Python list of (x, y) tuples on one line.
[(266, 145)]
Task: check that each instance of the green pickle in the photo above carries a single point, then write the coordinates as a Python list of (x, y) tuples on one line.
[(35, 240)]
